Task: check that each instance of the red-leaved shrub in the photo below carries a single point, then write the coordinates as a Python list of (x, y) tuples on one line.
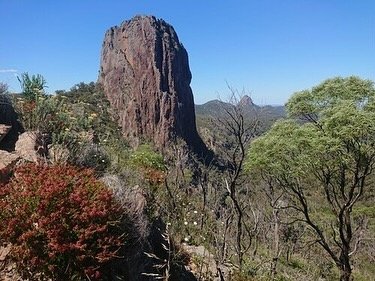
[(62, 222)]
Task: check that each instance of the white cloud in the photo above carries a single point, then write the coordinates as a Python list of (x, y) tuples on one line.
[(8, 70)]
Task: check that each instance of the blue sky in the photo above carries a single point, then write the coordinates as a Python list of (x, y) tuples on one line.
[(269, 49)]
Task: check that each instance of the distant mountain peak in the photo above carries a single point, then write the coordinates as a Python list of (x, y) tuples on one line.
[(246, 101)]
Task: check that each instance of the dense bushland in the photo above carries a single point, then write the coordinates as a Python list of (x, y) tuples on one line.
[(292, 203)]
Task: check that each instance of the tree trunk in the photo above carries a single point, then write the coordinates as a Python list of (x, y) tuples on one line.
[(346, 236), (276, 243), (346, 274), (239, 233), (345, 268)]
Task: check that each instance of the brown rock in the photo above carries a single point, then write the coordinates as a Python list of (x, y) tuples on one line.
[(26, 146), (7, 163), (4, 130), (4, 251), (146, 77)]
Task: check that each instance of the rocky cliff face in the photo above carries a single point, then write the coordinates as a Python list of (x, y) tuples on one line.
[(144, 71)]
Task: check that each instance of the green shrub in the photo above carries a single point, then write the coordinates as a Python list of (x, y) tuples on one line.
[(32, 86), (93, 156), (146, 157), (46, 114), (150, 163), (62, 222)]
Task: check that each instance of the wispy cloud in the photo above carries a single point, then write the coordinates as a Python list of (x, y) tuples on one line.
[(8, 70)]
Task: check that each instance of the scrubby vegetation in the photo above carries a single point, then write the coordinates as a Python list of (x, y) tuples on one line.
[(293, 202), (62, 222)]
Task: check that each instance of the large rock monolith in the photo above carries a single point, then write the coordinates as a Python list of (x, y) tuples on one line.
[(144, 72)]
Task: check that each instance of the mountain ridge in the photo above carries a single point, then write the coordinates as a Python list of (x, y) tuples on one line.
[(216, 107)]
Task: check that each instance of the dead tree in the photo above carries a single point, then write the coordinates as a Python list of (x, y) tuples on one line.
[(238, 124)]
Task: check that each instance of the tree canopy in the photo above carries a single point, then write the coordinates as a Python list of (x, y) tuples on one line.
[(328, 144)]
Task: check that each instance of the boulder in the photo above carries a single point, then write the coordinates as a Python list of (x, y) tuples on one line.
[(144, 72), (25, 146), (4, 130), (32, 146), (7, 163)]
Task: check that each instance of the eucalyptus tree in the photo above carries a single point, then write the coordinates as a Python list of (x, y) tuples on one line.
[(327, 145)]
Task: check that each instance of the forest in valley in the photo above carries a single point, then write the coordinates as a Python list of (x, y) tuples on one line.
[(286, 193)]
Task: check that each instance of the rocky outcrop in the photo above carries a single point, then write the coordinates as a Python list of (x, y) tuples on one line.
[(9, 117), (144, 72), (30, 147)]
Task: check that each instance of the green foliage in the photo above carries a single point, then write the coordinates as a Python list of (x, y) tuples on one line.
[(329, 94), (77, 122), (80, 92), (43, 115), (61, 221), (284, 142), (55, 119), (90, 110), (343, 132), (149, 163), (146, 157), (296, 264), (32, 86), (238, 276), (39, 112), (93, 156), (331, 151), (368, 211), (326, 132)]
